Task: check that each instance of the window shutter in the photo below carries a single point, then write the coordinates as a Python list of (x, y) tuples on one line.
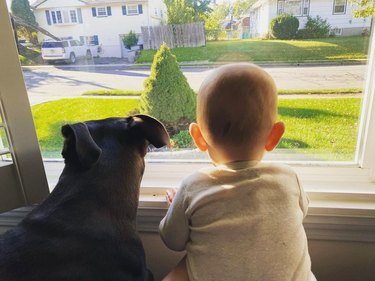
[(140, 9), (124, 10), (109, 11), (48, 17), (93, 10), (96, 40), (79, 14)]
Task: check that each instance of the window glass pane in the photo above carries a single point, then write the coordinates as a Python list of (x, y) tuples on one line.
[(320, 88), (132, 9), (73, 16), (59, 17), (102, 11), (293, 8)]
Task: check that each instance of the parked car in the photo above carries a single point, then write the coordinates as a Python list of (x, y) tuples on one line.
[(65, 50)]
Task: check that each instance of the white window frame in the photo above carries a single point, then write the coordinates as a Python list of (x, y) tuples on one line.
[(73, 15), (130, 12), (304, 7), (341, 5), (339, 192), (105, 14), (62, 20)]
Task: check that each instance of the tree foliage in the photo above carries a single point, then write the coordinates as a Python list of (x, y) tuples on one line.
[(284, 26), (363, 8), (240, 7), (213, 21), (187, 11), (167, 95), (131, 39), (22, 9)]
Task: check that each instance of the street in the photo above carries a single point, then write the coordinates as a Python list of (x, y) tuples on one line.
[(46, 83)]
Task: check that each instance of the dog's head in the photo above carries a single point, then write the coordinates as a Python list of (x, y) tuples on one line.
[(87, 142)]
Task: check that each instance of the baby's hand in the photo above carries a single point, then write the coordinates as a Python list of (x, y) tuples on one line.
[(171, 193)]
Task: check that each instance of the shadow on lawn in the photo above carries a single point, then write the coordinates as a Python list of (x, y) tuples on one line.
[(306, 113), (292, 143)]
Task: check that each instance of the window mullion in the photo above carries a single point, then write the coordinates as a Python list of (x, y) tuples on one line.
[(366, 142)]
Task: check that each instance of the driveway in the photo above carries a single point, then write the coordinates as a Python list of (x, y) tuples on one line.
[(46, 83)]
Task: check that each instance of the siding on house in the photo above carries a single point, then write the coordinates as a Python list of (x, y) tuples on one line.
[(263, 11), (107, 29)]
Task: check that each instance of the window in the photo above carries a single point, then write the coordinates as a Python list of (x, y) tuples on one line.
[(101, 11), (73, 16), (89, 40), (132, 10), (293, 7), (57, 17), (295, 150), (339, 7)]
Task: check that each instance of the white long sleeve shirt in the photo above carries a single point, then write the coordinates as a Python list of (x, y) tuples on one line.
[(241, 221)]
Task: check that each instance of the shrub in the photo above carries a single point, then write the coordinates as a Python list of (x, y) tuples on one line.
[(284, 26), (183, 140), (130, 40), (315, 28), (167, 95)]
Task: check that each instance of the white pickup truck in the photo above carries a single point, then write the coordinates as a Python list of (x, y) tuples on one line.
[(65, 50)]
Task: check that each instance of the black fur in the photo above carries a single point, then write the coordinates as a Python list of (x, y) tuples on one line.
[(85, 229)]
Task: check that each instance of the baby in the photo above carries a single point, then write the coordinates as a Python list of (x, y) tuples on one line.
[(240, 219)]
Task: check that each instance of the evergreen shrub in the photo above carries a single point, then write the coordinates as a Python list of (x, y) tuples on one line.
[(315, 28), (130, 39), (284, 26), (167, 95)]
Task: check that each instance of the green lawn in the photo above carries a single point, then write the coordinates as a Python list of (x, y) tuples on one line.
[(256, 50), (326, 127), (50, 116)]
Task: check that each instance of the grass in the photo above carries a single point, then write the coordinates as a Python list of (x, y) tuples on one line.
[(112, 93), (50, 116), (257, 50), (325, 127), (321, 91)]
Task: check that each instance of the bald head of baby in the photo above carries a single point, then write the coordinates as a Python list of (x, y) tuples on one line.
[(237, 106)]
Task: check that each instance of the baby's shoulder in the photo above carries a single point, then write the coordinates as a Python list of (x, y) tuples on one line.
[(277, 169)]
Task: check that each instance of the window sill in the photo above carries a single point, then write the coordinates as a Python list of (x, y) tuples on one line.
[(342, 199)]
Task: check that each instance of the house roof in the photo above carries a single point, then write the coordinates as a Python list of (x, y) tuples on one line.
[(37, 3)]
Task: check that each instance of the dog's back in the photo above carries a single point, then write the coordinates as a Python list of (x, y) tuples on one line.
[(85, 229)]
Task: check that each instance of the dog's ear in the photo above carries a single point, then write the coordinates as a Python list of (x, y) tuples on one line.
[(151, 129), (80, 144)]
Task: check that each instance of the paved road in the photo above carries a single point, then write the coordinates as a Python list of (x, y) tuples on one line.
[(53, 82)]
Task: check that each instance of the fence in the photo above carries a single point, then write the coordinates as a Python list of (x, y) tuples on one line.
[(176, 35)]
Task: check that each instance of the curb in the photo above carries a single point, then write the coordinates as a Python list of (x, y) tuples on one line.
[(201, 64)]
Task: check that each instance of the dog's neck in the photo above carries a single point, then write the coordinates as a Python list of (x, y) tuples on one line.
[(115, 190)]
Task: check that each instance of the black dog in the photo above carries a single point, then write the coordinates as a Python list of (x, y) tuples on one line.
[(85, 229)]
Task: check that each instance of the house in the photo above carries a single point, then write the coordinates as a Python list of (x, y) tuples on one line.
[(337, 12), (98, 22)]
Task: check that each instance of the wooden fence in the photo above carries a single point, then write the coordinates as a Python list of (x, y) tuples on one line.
[(176, 35)]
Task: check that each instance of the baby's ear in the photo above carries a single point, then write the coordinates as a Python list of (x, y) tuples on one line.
[(274, 137), (196, 134)]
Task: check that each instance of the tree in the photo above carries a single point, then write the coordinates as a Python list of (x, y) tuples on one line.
[(214, 20), (22, 9), (187, 11), (363, 8), (240, 7), (167, 95), (179, 12)]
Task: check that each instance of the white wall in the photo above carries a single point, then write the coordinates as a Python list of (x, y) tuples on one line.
[(108, 29), (263, 15)]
